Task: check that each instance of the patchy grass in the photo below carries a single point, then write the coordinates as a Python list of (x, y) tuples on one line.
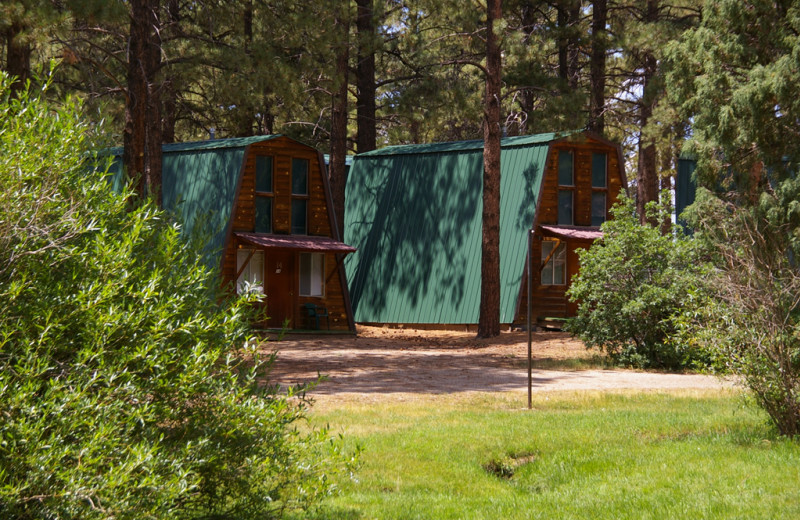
[(624, 455)]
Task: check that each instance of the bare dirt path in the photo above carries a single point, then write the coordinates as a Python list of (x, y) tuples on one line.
[(383, 361)]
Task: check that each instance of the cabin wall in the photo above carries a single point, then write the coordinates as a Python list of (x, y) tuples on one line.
[(551, 300), (548, 209), (282, 151)]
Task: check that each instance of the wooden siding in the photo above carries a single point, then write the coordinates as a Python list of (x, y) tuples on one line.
[(548, 209), (282, 151), (551, 300)]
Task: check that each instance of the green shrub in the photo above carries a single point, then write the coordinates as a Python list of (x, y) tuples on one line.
[(630, 287), (129, 384), (752, 315)]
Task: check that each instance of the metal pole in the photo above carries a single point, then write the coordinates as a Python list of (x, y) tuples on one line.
[(530, 325)]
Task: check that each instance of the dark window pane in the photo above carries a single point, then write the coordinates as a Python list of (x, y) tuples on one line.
[(299, 177), (263, 215), (565, 175), (598, 208), (599, 170), (299, 217), (264, 174), (565, 207)]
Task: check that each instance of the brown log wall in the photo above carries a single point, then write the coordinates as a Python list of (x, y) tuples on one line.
[(283, 150), (551, 300)]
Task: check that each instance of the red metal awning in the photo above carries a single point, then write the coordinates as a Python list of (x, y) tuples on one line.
[(573, 232), (296, 242)]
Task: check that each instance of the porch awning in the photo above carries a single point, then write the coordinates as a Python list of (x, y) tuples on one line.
[(295, 242), (573, 232)]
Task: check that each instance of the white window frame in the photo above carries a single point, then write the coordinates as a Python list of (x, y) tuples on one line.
[(559, 258), (312, 274), (251, 273)]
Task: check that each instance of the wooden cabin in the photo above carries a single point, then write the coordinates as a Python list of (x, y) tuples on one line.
[(264, 202), (414, 214), (582, 180)]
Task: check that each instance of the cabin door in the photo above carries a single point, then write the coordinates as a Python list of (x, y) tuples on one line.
[(280, 288)]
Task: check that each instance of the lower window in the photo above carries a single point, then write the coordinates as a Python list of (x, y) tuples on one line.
[(250, 266), (312, 272), (554, 271)]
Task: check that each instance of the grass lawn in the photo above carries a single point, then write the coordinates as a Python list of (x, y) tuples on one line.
[(595, 455)]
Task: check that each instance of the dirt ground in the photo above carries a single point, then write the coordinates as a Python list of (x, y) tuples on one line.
[(386, 361)]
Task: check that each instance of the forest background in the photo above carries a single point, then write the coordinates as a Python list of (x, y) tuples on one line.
[(349, 76)]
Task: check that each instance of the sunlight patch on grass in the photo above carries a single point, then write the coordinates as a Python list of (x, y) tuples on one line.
[(688, 454)]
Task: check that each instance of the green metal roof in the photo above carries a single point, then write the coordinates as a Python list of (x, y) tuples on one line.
[(414, 214), (199, 181), (460, 146)]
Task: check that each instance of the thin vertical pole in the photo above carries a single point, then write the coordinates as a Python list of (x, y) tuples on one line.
[(530, 325)]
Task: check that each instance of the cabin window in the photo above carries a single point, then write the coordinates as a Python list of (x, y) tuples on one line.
[(250, 266), (312, 273), (566, 171), (566, 186), (264, 195), (554, 262), (599, 187), (299, 196)]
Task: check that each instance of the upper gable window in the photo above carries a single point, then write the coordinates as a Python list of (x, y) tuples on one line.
[(599, 188), (566, 168), (264, 194), (299, 196), (566, 187)]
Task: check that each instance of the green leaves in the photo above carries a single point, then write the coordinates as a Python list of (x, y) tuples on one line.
[(631, 286), (131, 386)]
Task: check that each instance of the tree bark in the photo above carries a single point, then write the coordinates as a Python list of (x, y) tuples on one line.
[(18, 58), (143, 131), (647, 172), (568, 14), (365, 77), (489, 319), (337, 168), (597, 67)]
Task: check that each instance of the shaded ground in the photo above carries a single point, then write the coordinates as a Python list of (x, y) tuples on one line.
[(383, 361)]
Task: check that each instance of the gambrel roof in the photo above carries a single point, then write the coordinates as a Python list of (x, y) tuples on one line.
[(414, 214), (199, 182)]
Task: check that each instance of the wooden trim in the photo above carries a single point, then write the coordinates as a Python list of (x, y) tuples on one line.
[(335, 232), (231, 217)]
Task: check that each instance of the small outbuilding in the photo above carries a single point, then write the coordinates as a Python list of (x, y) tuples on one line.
[(414, 214), (263, 206)]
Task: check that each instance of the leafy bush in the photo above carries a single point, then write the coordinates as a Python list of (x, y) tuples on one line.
[(752, 315), (129, 384), (630, 287)]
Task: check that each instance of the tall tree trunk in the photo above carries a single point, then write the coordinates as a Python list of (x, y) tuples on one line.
[(526, 97), (489, 319), (169, 91), (597, 67), (365, 77), (647, 172), (568, 15), (337, 168), (142, 134), (18, 58)]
